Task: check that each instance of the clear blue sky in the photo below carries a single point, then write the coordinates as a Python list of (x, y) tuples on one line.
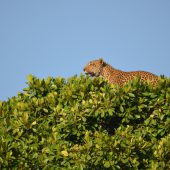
[(58, 37)]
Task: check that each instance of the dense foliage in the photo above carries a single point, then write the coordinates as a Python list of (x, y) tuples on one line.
[(84, 123)]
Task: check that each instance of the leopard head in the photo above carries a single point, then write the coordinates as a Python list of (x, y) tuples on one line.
[(94, 68)]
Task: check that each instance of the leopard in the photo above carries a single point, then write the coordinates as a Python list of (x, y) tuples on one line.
[(99, 68)]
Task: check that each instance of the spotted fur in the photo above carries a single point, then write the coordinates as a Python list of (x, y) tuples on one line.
[(114, 76)]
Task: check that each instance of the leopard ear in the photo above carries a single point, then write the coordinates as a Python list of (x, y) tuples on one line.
[(101, 60)]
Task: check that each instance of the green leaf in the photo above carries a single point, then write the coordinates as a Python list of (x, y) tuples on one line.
[(30, 78), (131, 95), (121, 108), (137, 116), (107, 164), (45, 110)]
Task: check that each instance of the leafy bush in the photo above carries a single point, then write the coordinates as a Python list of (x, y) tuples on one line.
[(84, 123)]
